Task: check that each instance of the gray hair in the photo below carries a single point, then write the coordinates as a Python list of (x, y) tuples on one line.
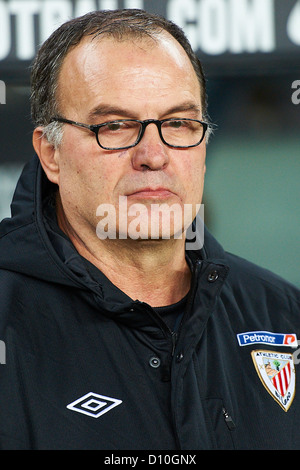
[(118, 24)]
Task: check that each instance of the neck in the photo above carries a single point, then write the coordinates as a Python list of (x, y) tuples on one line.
[(152, 271)]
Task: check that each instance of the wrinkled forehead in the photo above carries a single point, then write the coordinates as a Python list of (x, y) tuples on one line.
[(160, 39), (104, 50)]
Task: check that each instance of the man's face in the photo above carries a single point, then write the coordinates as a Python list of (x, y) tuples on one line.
[(106, 80)]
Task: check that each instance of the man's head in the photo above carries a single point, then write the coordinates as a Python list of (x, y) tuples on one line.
[(130, 67), (117, 24)]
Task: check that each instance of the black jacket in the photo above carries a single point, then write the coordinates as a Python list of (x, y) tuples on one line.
[(86, 367)]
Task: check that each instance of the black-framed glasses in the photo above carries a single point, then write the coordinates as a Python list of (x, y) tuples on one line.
[(126, 133)]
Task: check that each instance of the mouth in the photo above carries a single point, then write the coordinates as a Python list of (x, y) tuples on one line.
[(151, 193)]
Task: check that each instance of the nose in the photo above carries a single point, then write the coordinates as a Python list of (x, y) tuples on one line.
[(150, 153)]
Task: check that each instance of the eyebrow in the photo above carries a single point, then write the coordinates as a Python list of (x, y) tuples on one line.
[(105, 110)]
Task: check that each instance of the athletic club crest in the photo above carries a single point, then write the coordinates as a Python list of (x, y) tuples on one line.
[(277, 373)]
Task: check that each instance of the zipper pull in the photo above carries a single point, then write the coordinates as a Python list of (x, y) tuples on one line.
[(228, 420)]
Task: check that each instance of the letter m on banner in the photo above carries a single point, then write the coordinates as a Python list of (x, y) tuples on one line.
[(2, 92)]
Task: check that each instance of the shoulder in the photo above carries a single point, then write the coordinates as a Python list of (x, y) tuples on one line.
[(260, 283)]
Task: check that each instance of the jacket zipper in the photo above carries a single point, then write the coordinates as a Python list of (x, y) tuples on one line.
[(167, 331), (228, 420), (174, 334), (174, 341), (190, 299)]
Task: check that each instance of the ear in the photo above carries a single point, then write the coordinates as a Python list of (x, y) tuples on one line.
[(47, 154)]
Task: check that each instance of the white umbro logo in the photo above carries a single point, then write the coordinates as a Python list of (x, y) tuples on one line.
[(93, 404)]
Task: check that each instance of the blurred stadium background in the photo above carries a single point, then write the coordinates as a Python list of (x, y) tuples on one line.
[(250, 50)]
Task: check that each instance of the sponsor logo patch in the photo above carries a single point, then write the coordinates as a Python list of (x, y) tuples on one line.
[(276, 371), (93, 404), (266, 337)]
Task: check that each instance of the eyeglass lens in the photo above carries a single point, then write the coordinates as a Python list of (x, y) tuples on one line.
[(177, 133)]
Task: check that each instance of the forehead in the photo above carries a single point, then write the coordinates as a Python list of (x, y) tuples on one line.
[(131, 69)]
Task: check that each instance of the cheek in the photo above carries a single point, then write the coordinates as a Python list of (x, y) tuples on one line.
[(193, 177), (75, 184), (87, 179)]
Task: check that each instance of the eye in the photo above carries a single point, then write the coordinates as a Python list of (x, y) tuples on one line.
[(119, 126), (176, 124), (114, 126)]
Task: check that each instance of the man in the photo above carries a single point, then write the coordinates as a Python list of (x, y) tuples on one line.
[(117, 336)]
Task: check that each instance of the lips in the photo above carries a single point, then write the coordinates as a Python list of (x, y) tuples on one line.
[(151, 193)]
